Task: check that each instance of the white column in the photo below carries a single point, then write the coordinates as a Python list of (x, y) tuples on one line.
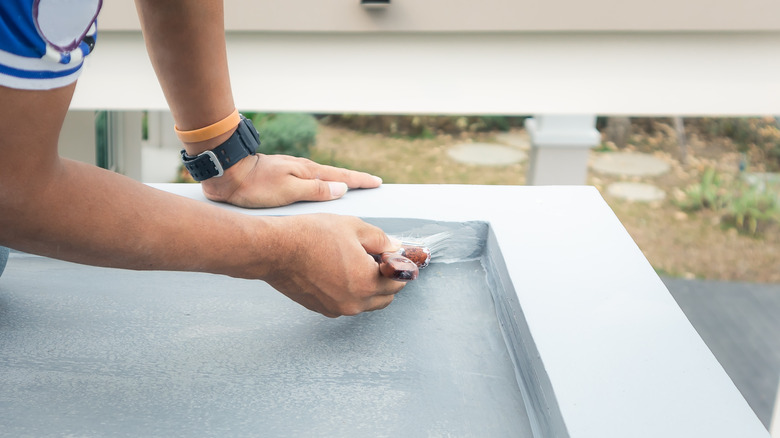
[(124, 135), (160, 156), (560, 145), (160, 132)]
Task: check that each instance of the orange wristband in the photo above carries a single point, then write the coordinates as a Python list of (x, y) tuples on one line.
[(211, 131)]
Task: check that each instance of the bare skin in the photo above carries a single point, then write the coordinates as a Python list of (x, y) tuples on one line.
[(171, 30), (77, 212)]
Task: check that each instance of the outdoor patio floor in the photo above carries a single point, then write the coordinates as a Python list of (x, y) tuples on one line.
[(739, 323)]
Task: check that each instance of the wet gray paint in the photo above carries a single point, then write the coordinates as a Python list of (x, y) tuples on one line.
[(102, 352)]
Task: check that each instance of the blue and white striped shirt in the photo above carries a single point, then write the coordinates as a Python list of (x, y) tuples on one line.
[(43, 42)]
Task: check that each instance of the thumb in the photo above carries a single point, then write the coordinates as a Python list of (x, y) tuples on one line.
[(375, 241)]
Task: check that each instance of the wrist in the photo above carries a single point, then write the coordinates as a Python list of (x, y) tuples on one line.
[(223, 188), (195, 148), (267, 246), (204, 163), (208, 137)]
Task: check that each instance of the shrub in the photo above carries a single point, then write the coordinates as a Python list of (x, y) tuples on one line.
[(710, 193), (748, 207), (288, 133), (759, 136)]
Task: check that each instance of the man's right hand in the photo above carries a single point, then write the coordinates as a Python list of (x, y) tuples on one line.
[(323, 262)]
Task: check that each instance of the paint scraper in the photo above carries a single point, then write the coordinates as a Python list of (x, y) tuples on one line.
[(464, 242)]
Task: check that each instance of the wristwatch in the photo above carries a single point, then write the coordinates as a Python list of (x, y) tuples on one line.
[(215, 162)]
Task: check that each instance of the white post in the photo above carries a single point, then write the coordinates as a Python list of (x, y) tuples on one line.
[(159, 125), (124, 135), (560, 145), (161, 151)]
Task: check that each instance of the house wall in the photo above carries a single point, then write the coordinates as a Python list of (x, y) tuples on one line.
[(483, 15)]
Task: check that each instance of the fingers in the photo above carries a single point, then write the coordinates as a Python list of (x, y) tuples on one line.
[(376, 303), (276, 180), (313, 190), (390, 287), (355, 180), (336, 275)]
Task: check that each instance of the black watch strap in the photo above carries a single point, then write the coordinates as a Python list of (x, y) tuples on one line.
[(242, 143)]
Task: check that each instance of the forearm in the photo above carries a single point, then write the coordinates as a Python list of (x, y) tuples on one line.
[(186, 43), (88, 215)]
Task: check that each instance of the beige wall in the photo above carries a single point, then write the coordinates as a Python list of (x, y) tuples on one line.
[(482, 15)]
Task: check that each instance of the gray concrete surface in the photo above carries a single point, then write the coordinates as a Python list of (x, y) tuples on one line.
[(740, 323), (87, 351)]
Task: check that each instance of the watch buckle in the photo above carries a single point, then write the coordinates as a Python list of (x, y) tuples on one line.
[(217, 165)]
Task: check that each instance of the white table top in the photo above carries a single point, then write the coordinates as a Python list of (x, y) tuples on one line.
[(603, 348), (620, 355)]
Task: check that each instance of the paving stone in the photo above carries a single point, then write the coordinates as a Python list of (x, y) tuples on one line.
[(639, 192), (486, 154), (519, 140), (763, 180), (629, 164)]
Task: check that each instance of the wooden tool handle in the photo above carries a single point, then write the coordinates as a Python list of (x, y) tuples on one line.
[(395, 266)]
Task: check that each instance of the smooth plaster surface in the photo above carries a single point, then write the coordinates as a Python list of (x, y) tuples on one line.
[(600, 348)]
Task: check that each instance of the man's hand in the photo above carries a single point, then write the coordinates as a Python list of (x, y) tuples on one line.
[(323, 262), (274, 180)]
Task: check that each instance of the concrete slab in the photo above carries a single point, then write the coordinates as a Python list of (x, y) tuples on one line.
[(629, 164), (637, 192), (486, 154)]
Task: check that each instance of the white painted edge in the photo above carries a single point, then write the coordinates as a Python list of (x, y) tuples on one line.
[(774, 427)]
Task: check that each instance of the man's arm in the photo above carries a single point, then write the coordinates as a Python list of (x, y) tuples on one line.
[(78, 212), (186, 43)]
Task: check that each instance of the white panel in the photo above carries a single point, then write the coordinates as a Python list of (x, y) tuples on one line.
[(614, 73)]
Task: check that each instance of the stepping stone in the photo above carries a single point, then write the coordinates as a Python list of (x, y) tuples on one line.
[(486, 154), (520, 140), (639, 192), (629, 164), (766, 181), (762, 179)]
